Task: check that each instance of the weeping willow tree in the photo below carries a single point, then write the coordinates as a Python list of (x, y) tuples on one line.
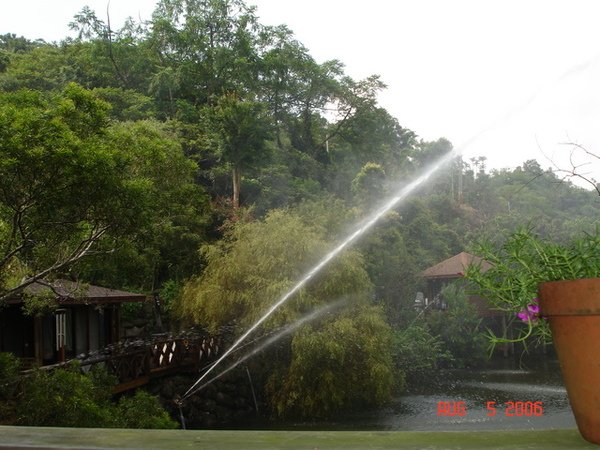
[(338, 362)]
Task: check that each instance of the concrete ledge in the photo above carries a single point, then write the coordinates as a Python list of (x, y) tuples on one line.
[(85, 438)]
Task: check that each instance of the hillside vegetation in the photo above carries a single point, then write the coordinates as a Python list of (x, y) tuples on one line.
[(210, 158)]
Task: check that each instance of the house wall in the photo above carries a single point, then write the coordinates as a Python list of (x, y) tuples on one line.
[(16, 332), (80, 329), (89, 332), (94, 327), (48, 343), (88, 329), (94, 321)]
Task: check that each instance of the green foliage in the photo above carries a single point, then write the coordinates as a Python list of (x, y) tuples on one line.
[(342, 363), (63, 398), (39, 304), (68, 398), (345, 364), (523, 261), (391, 266), (71, 180), (62, 185), (9, 366), (418, 353), (9, 371), (259, 261), (211, 43), (170, 296), (44, 67), (241, 129), (13, 270), (135, 312), (9, 385), (458, 328), (372, 135), (143, 410), (368, 185), (432, 239), (11, 43), (126, 104)]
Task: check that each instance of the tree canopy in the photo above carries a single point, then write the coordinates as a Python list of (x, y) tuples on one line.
[(337, 363), (204, 152), (70, 182)]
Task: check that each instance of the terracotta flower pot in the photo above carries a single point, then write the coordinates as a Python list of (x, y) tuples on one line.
[(573, 309)]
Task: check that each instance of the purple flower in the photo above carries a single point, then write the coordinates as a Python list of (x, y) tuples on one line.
[(531, 312)]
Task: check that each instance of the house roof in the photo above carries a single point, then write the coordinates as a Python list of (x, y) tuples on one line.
[(75, 293), (454, 267)]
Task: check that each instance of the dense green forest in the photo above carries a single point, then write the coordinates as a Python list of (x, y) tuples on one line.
[(210, 159)]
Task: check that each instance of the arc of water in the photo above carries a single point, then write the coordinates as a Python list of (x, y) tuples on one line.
[(403, 193), (271, 340)]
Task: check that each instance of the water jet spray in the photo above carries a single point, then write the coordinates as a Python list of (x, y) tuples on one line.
[(387, 206), (372, 220), (270, 341)]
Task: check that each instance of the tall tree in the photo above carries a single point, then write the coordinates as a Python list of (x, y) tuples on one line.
[(69, 182), (117, 58), (242, 129), (338, 361), (210, 44)]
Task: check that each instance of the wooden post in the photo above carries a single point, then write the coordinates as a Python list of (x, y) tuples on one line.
[(61, 354), (38, 338)]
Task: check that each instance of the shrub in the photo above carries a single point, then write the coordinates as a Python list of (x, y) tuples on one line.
[(345, 364), (458, 328), (417, 353), (68, 398), (63, 397), (9, 382), (143, 410)]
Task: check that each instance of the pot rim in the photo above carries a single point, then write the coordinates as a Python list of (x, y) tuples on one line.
[(570, 297)]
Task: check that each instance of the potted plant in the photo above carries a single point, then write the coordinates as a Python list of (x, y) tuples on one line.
[(554, 289)]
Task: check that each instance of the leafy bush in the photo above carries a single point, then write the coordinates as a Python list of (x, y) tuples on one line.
[(330, 365), (417, 353), (458, 328), (63, 397), (143, 410), (170, 294), (9, 370), (68, 398), (9, 382), (344, 364)]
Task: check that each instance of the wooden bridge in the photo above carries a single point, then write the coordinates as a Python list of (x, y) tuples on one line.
[(136, 363)]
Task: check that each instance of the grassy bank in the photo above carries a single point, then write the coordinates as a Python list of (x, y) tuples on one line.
[(80, 438)]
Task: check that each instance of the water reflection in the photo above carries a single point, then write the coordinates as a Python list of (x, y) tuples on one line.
[(540, 382), (417, 411)]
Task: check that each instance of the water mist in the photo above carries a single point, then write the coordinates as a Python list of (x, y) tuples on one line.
[(394, 201)]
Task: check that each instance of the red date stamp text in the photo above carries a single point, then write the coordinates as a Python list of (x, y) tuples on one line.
[(508, 409)]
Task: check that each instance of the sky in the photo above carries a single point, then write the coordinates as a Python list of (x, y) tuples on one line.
[(510, 80)]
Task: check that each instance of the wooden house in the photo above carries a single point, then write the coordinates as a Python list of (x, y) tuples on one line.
[(83, 318), (452, 270), (449, 271)]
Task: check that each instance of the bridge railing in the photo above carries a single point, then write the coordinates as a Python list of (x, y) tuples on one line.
[(134, 363)]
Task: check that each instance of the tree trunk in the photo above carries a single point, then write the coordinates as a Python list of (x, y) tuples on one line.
[(237, 177)]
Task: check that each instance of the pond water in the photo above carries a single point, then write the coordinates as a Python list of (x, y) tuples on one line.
[(503, 382)]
